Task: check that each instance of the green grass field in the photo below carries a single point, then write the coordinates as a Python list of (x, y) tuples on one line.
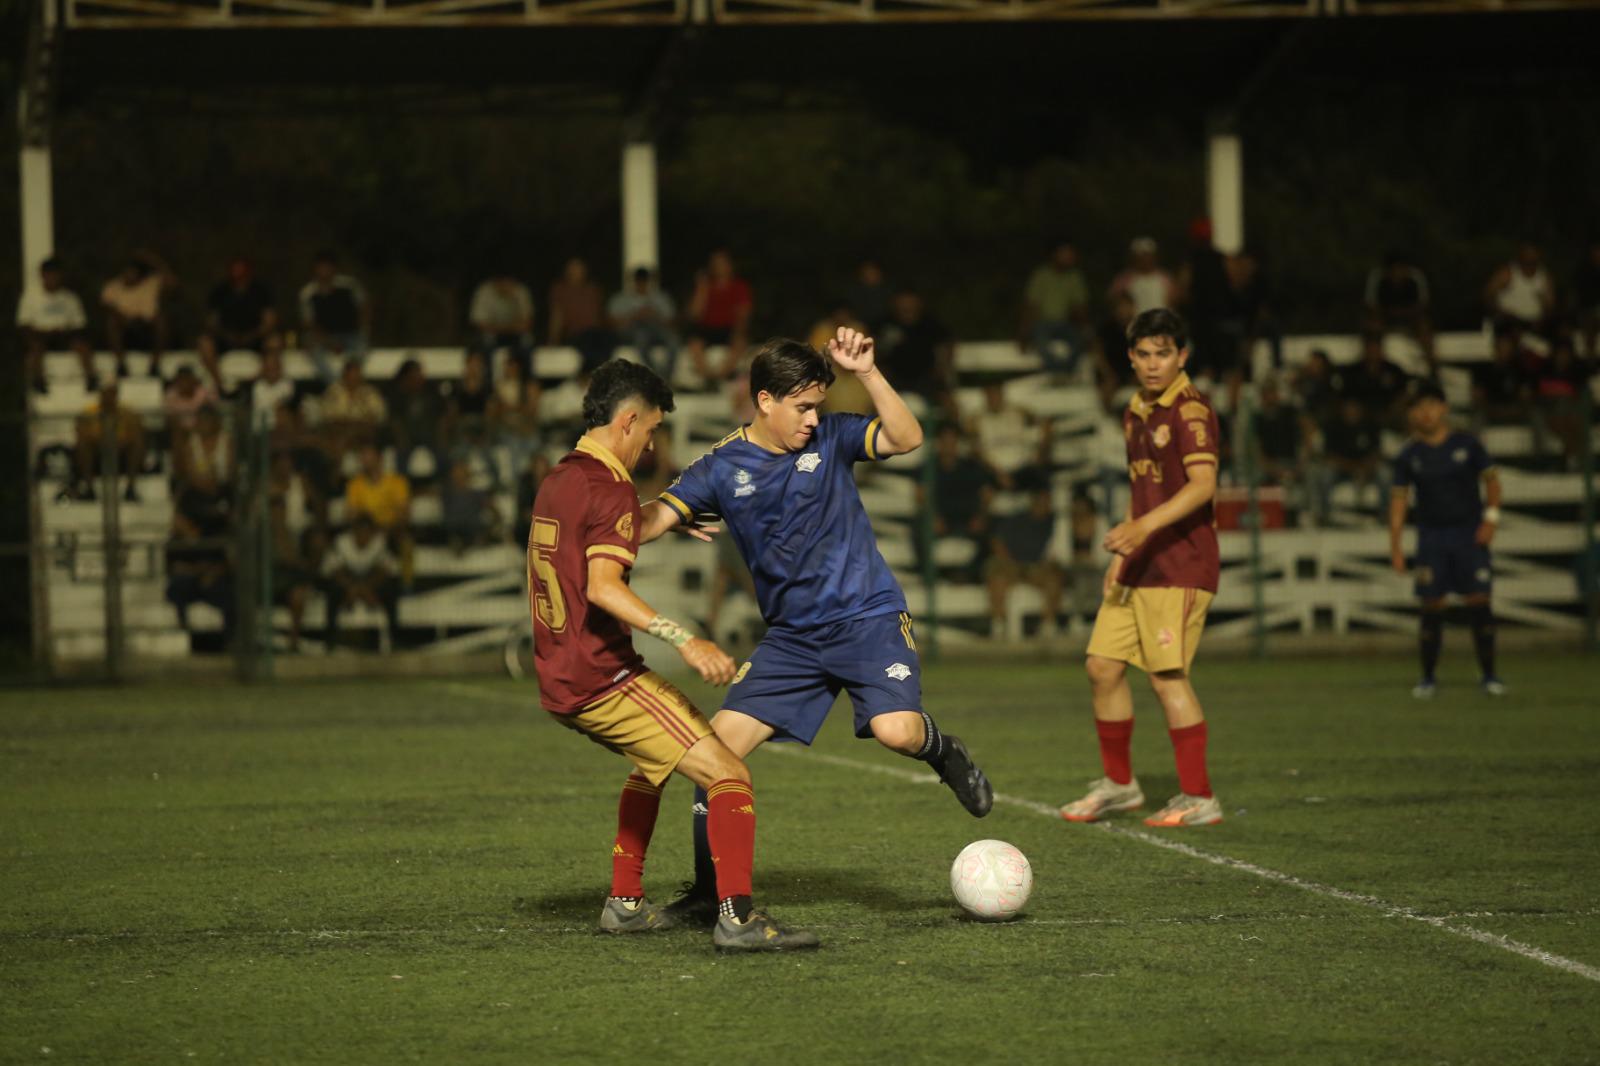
[(411, 871)]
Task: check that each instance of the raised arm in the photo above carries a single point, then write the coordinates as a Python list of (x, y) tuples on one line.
[(609, 592), (900, 431)]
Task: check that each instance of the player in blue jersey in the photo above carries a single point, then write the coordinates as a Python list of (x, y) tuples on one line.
[(784, 487), (1455, 526)]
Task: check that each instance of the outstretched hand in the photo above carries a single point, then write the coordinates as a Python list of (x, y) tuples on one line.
[(853, 350), (699, 532)]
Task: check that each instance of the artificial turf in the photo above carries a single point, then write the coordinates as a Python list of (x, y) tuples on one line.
[(411, 871)]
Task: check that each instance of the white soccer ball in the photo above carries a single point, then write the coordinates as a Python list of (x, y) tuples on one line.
[(991, 880)]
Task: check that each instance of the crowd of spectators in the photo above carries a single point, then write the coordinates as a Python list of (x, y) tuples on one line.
[(467, 441)]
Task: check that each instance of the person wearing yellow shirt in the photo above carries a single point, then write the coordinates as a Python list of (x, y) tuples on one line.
[(385, 497)]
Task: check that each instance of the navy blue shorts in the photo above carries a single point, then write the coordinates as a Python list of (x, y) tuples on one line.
[(1450, 560), (792, 678)]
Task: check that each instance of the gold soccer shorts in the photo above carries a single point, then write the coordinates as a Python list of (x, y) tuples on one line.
[(1155, 629), (647, 720)]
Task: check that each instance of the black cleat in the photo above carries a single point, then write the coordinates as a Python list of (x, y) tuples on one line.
[(759, 933), (966, 780), (693, 906)]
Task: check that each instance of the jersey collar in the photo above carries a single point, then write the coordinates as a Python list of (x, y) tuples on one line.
[(591, 447), (1142, 407)]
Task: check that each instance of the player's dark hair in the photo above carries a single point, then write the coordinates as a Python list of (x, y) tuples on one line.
[(616, 383), (1426, 391), (783, 366), (1158, 322)]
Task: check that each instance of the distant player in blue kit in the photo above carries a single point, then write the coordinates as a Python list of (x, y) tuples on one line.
[(1455, 526), (837, 619)]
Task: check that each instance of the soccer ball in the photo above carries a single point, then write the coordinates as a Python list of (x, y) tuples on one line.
[(991, 880)]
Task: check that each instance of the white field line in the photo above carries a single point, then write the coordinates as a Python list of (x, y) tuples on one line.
[(1389, 910)]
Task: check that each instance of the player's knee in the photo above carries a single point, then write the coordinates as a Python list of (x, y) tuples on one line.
[(1161, 680), (1103, 671), (901, 731)]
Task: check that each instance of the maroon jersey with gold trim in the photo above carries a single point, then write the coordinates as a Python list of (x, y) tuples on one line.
[(1166, 439), (586, 507)]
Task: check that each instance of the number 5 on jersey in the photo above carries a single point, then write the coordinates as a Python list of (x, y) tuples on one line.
[(548, 603)]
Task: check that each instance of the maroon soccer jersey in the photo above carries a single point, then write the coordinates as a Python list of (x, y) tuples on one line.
[(587, 507), (1166, 439)]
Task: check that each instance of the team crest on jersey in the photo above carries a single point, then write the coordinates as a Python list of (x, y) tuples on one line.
[(1193, 409), (625, 526), (1162, 436), (1459, 455), (899, 671), (743, 485), (808, 462)]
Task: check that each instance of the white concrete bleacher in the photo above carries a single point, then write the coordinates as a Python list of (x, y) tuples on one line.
[(479, 592)]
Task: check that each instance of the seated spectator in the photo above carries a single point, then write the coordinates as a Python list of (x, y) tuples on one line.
[(1377, 384), (1558, 401), (501, 316), (1113, 367), (359, 569), (1398, 299), (132, 302), (514, 415), (416, 419), (1055, 310), (181, 404), (642, 316), (335, 315), (197, 560), (963, 491), (577, 316), (467, 406), (1020, 552), (298, 515), (1351, 452), (916, 352), (1586, 297), (1521, 291), (50, 318), (205, 461), (90, 436), (1280, 438), (529, 478), (469, 514), (869, 295), (719, 315), (1008, 439), (1315, 389), (1145, 280), (1501, 387), (353, 410), (380, 495), (273, 397), (847, 393), (239, 316)]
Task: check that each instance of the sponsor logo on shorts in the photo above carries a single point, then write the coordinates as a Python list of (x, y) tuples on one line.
[(620, 674), (808, 462), (745, 669), (899, 671), (744, 486), (1165, 638)]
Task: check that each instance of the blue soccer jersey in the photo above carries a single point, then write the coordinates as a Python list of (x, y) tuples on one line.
[(1445, 477), (798, 521)]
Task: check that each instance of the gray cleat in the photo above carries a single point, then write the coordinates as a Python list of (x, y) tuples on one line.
[(643, 917), (759, 933)]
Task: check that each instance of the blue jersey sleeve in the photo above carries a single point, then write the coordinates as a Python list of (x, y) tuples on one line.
[(693, 491), (855, 437), (1478, 456), (1402, 468)]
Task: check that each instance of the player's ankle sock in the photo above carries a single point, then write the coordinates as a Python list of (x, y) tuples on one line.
[(1481, 617), (705, 871), (934, 747), (736, 907), (1115, 739), (731, 830), (1432, 640), (636, 821), (1189, 751)]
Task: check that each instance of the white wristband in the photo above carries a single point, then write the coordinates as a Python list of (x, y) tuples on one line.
[(1491, 515)]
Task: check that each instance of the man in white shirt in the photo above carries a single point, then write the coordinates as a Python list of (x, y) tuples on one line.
[(50, 317), (132, 304), (359, 568), (502, 317), (1521, 291)]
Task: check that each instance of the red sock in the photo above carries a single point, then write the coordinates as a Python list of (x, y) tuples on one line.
[(1114, 740), (1189, 750), (636, 820), (731, 828)]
